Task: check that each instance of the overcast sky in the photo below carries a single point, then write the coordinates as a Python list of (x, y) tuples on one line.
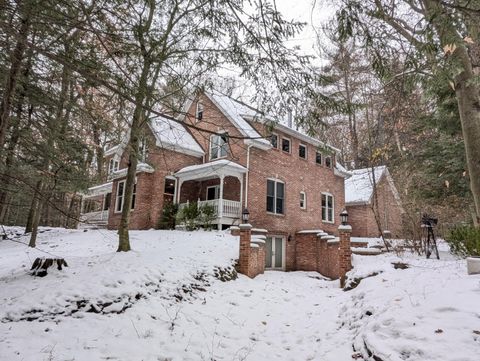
[(312, 12)]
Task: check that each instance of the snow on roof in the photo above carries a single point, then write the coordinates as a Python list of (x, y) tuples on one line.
[(174, 136), (141, 168), (211, 168), (236, 112), (359, 187)]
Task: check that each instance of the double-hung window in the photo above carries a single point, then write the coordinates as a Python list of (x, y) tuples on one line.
[(275, 196), (113, 166), (218, 146), (274, 141), (302, 151), (328, 162), (327, 207), (199, 112), (286, 145), (318, 158), (120, 198), (303, 200)]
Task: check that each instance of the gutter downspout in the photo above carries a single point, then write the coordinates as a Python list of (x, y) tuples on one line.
[(246, 176)]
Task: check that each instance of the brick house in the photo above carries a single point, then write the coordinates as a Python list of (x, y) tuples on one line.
[(359, 201), (291, 183)]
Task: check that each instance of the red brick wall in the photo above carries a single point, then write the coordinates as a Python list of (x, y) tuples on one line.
[(306, 255), (362, 217), (315, 254), (150, 187), (328, 256), (140, 217), (214, 121), (298, 175)]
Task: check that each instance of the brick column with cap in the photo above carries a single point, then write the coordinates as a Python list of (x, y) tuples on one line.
[(345, 252), (245, 239)]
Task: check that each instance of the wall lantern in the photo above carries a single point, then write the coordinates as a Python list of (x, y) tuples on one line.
[(245, 215), (344, 217)]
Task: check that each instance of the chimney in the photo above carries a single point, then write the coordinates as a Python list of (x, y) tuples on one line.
[(290, 119)]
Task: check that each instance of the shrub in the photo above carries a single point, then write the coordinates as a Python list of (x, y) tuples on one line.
[(189, 215), (464, 241), (207, 215), (168, 218)]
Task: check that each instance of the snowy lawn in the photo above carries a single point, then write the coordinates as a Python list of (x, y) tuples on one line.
[(162, 302)]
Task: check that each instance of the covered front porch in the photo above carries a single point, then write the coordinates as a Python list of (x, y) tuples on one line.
[(218, 184)]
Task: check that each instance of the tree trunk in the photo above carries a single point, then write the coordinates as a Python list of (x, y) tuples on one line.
[(133, 145), (36, 213), (469, 107), (467, 90), (11, 79)]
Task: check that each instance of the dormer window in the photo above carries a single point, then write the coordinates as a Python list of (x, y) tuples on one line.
[(113, 166), (218, 146), (199, 112)]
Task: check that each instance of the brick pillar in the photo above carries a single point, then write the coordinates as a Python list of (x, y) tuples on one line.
[(345, 252), (244, 257)]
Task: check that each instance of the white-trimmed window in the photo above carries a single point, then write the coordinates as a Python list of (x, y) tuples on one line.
[(274, 140), (120, 196), (218, 146), (303, 200), (275, 196), (327, 208), (302, 151), (199, 112), (318, 158), (113, 165), (286, 145), (328, 161)]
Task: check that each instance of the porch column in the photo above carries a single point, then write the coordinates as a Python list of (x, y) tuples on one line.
[(179, 188), (220, 202), (241, 193)]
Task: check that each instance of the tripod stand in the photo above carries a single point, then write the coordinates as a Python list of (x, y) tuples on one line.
[(430, 243)]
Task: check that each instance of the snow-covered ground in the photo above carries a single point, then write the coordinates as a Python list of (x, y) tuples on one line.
[(162, 302)]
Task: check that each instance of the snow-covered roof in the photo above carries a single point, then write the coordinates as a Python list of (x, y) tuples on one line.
[(211, 169), (236, 113), (141, 167), (174, 136), (359, 187), (98, 190)]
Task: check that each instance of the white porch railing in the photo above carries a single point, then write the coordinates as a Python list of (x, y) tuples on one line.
[(231, 209), (96, 217)]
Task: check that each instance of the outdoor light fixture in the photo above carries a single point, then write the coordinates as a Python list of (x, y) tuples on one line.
[(245, 215), (344, 217)]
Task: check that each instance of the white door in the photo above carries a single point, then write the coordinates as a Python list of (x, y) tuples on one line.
[(275, 252)]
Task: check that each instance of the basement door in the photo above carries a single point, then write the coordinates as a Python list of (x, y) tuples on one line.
[(275, 252)]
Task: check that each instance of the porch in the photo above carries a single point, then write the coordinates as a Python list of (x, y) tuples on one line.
[(95, 205), (218, 184)]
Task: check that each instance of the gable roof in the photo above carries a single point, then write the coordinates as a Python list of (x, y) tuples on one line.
[(236, 113), (359, 187), (174, 136)]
